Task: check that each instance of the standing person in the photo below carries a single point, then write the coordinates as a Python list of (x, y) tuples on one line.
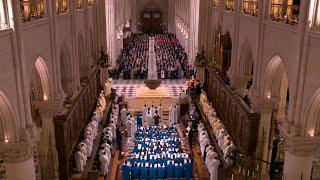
[(190, 137), (119, 139), (156, 118)]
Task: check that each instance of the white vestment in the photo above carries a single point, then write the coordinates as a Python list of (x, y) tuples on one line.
[(123, 113), (89, 146), (213, 169), (104, 164), (79, 161)]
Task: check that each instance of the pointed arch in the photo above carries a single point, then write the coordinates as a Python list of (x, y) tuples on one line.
[(92, 45), (312, 115), (246, 60), (8, 120), (41, 79), (66, 70), (274, 77), (83, 63)]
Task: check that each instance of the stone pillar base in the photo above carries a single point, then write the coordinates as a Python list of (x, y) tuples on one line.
[(21, 170), (297, 167)]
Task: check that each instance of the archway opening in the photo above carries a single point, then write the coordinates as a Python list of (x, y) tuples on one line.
[(66, 72), (83, 63), (151, 19), (276, 87), (40, 92)]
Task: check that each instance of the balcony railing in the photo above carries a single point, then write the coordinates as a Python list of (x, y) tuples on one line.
[(79, 4), (229, 5), (32, 10), (62, 6), (90, 2), (215, 3), (4, 20), (288, 14), (250, 8)]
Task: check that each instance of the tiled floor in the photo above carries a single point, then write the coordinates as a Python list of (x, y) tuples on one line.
[(176, 87)]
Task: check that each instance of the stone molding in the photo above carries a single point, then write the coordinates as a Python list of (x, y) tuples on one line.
[(297, 144), (263, 105), (15, 152)]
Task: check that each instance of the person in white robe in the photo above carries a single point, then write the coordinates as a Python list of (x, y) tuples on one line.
[(104, 163), (123, 113), (222, 134), (213, 169), (171, 116), (144, 112), (83, 149), (113, 129), (160, 111), (79, 157), (152, 110), (177, 112), (130, 127), (211, 154), (89, 146), (175, 115), (148, 119)]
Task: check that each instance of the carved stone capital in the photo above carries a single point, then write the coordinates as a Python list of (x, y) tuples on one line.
[(17, 152), (295, 143), (50, 108), (263, 105)]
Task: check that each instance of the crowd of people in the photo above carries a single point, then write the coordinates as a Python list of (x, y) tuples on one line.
[(171, 59), (157, 154), (84, 148), (151, 116), (133, 60), (222, 136), (109, 134)]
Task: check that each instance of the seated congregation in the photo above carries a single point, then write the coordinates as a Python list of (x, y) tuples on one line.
[(171, 59)]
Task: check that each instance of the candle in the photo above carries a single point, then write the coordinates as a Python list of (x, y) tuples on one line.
[(232, 176)]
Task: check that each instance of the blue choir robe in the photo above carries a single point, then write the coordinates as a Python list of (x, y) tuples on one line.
[(125, 172), (139, 121), (178, 171), (161, 172), (188, 171), (170, 171), (153, 171), (135, 172), (144, 173)]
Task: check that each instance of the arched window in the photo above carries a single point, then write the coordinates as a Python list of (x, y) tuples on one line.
[(4, 20), (90, 2), (31, 10), (229, 5), (62, 6), (286, 11), (216, 3), (79, 4), (250, 7), (315, 15)]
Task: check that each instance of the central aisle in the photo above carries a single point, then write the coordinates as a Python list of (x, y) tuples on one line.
[(152, 64)]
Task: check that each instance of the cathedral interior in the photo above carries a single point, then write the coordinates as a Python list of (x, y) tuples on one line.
[(160, 89)]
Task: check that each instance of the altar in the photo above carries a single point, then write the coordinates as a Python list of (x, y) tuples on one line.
[(147, 96)]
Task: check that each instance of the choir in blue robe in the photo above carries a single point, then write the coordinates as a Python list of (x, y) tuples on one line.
[(157, 154)]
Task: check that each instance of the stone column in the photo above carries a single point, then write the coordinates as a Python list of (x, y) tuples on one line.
[(19, 160), (48, 109), (265, 107), (298, 158)]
